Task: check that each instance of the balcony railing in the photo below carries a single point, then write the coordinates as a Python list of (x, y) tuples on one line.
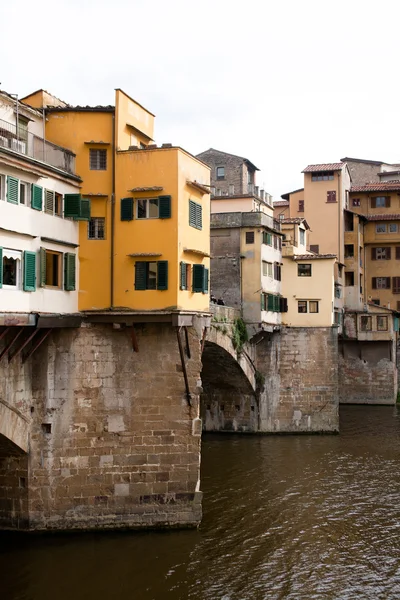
[(33, 146)]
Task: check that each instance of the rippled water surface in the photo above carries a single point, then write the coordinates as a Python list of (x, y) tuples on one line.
[(284, 517)]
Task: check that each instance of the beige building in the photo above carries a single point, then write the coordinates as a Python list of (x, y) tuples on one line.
[(307, 279)]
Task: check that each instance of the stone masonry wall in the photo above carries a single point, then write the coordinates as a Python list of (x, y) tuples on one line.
[(235, 171), (300, 389), (114, 442), (367, 372), (225, 265)]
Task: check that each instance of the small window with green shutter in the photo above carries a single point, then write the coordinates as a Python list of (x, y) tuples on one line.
[(277, 303), (151, 275), (126, 209), (267, 238), (76, 207), (198, 278), (164, 207), (29, 271), (162, 275), (69, 272), (195, 215), (36, 197), (12, 189), (270, 302)]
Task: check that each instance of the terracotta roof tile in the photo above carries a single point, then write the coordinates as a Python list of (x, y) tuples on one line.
[(281, 203), (324, 167), (295, 221), (376, 187), (312, 256), (392, 217)]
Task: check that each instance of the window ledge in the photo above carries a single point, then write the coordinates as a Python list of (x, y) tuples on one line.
[(154, 188), (198, 186), (133, 254), (194, 251)]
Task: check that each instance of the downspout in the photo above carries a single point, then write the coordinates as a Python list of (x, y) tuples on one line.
[(112, 215)]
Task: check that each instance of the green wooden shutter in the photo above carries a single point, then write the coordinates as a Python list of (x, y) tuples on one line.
[(36, 197), (126, 209), (192, 213), (42, 264), (1, 267), (12, 189), (183, 277), (164, 203), (162, 275), (269, 239), (198, 278), (270, 304), (69, 272), (199, 216), (277, 303), (84, 210), (72, 205), (29, 271), (140, 275), (205, 280)]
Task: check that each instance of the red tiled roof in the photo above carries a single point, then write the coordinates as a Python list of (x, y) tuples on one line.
[(325, 167), (295, 221), (312, 256), (281, 203), (376, 187), (392, 217)]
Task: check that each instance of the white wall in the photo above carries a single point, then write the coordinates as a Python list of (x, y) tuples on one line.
[(21, 228)]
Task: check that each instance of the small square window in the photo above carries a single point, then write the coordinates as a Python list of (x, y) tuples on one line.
[(53, 269), (301, 206), (302, 237), (380, 228), (356, 202), (365, 323), (304, 270), (393, 227), (220, 173), (11, 269), (382, 323), (249, 237), (96, 228), (313, 306), (97, 160), (302, 306), (147, 208), (314, 248), (23, 193)]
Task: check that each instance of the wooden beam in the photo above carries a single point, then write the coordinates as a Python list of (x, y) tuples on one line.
[(4, 332), (188, 395), (135, 346), (39, 342), (203, 341), (25, 343), (7, 347), (187, 342)]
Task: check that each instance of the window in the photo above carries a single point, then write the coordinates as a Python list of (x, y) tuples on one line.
[(382, 253), (304, 270), (231, 189), (267, 269), (302, 306), (365, 323), (349, 250), (322, 176), (349, 278), (314, 248), (185, 276), (200, 279), (381, 323), (249, 237), (267, 238), (270, 302), (397, 252), (22, 128), (376, 301), (97, 160), (52, 269), (396, 285), (11, 268), (302, 237), (58, 208), (96, 228), (195, 215), (348, 221), (356, 202), (220, 173), (338, 290), (76, 207), (313, 306), (275, 242), (277, 272), (151, 275), (12, 189), (49, 202), (23, 193), (301, 206), (337, 317), (2, 187), (147, 208), (393, 227), (380, 202), (36, 197), (380, 228), (331, 196), (381, 283)]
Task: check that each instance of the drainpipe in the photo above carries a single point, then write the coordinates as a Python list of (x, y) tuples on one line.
[(112, 215)]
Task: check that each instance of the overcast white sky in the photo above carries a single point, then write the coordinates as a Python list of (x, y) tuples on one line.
[(283, 83)]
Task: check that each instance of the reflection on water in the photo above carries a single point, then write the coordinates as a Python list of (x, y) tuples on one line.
[(284, 517)]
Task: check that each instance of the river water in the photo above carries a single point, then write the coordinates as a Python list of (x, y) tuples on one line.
[(313, 517)]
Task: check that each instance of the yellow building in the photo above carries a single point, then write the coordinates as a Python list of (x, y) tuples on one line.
[(146, 246), (308, 281)]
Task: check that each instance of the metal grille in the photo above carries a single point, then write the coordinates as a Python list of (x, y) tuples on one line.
[(96, 228), (98, 160)]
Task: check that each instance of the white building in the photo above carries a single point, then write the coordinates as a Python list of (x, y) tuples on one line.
[(39, 266)]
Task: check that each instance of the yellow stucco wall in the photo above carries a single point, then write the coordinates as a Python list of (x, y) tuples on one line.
[(320, 287), (129, 112)]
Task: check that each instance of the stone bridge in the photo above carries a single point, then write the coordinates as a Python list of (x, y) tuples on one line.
[(100, 427)]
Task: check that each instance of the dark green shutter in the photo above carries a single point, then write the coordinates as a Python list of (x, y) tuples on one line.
[(183, 278), (29, 271), (270, 305), (72, 205), (199, 216), (269, 239), (12, 189), (164, 203), (277, 303), (192, 213), (42, 264), (162, 275), (205, 280), (36, 197), (126, 209), (1, 267), (85, 210), (69, 272), (198, 278), (140, 275)]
